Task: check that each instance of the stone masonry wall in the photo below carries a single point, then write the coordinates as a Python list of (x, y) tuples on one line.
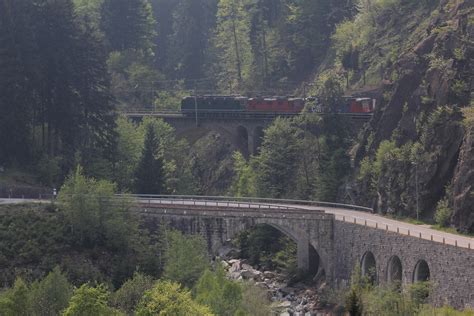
[(340, 245), (451, 268)]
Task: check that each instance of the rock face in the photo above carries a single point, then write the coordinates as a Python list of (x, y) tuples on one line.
[(434, 74), (463, 185)]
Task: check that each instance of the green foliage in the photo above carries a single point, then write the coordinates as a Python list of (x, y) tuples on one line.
[(266, 246), (51, 295), (329, 88), (362, 298), (94, 220), (185, 258), (443, 213), (278, 155), (385, 152), (88, 300), (130, 293), (49, 171), (15, 302), (353, 303), (444, 311), (223, 296), (89, 11), (244, 183), (255, 300), (365, 169), (149, 175), (129, 147), (167, 298), (177, 177), (190, 32), (459, 54), (211, 164), (37, 62), (233, 42), (29, 235), (468, 113), (459, 88), (128, 24), (98, 219), (419, 292)]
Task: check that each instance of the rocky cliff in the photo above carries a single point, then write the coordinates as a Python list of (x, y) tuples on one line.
[(417, 150)]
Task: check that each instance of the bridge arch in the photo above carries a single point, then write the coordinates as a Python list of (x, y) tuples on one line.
[(421, 272), (243, 139), (307, 255), (258, 134), (368, 267), (394, 270), (310, 256)]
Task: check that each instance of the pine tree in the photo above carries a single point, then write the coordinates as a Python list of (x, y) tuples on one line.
[(193, 21), (149, 176), (128, 24), (16, 104), (232, 41), (279, 154)]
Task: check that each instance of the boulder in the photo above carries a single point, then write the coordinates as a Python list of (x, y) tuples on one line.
[(248, 274)]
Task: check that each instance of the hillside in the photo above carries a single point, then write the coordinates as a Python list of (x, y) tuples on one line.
[(415, 152)]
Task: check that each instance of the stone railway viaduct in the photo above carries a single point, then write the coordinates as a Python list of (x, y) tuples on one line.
[(243, 131), (330, 246)]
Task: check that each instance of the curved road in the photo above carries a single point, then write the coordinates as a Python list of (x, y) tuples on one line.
[(341, 214)]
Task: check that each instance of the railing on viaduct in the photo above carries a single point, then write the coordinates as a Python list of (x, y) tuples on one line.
[(299, 205)]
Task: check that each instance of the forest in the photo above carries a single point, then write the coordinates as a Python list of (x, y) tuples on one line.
[(70, 69)]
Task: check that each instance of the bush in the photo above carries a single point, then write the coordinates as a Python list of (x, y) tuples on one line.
[(15, 302), (167, 298), (49, 170), (89, 300), (129, 295), (51, 295), (443, 213), (223, 296), (419, 292), (185, 258)]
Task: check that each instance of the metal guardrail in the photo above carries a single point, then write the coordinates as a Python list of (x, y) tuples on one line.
[(461, 242), (291, 205), (255, 200)]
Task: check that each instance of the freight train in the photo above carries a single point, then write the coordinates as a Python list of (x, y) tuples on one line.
[(275, 105)]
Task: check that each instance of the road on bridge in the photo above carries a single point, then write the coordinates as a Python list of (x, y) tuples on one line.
[(341, 214)]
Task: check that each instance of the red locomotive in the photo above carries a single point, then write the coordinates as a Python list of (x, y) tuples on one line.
[(361, 105), (276, 104)]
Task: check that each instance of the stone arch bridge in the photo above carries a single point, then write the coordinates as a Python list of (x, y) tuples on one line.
[(332, 239)]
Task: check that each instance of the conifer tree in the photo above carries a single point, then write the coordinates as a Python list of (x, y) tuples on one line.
[(128, 24), (149, 176)]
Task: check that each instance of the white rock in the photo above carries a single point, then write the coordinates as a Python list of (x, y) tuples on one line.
[(225, 265)]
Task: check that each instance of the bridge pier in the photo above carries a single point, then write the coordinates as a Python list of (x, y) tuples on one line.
[(302, 254)]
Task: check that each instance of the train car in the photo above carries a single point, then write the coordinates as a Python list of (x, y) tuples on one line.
[(213, 103), (361, 105), (276, 105)]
